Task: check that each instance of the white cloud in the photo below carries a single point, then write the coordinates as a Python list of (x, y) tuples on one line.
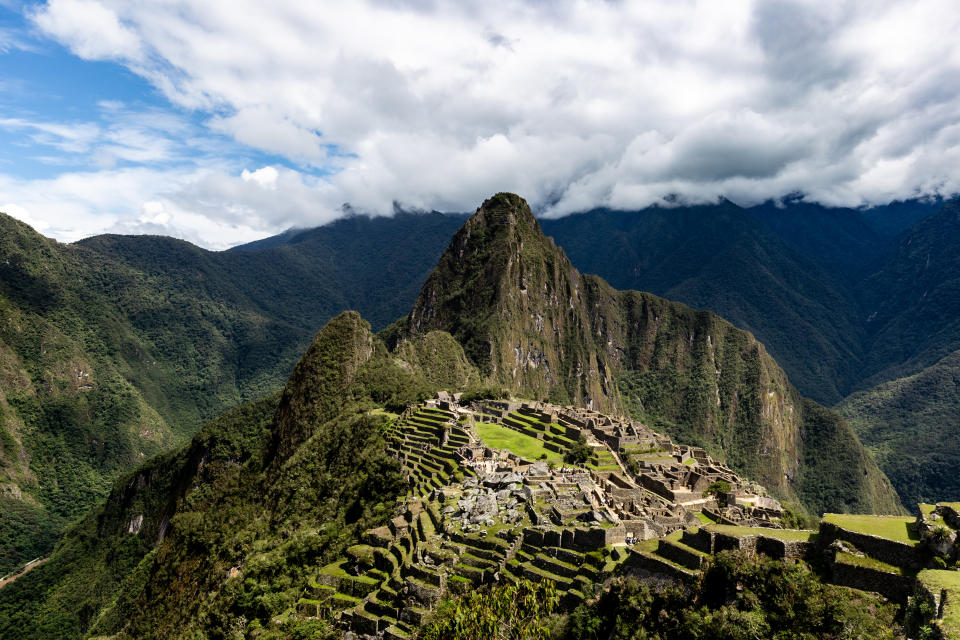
[(211, 207), (573, 104), (12, 40), (266, 177), (90, 29)]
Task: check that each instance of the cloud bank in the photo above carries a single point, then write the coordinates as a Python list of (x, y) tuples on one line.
[(436, 104)]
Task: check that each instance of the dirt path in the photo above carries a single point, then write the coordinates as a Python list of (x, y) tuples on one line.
[(33, 564)]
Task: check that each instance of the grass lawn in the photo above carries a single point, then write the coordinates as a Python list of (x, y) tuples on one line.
[(901, 529), (336, 569), (499, 437), (602, 467), (936, 579)]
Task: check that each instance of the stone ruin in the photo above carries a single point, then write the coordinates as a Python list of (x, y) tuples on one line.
[(476, 515)]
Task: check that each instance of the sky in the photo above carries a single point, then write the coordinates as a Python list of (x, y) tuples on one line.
[(223, 122)]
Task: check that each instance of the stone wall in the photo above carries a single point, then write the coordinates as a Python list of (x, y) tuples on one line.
[(950, 515), (785, 549), (728, 542), (892, 552), (889, 585)]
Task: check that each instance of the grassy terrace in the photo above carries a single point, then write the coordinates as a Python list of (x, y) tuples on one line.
[(500, 437), (551, 430), (867, 562), (936, 580), (900, 529), (652, 544), (787, 535), (704, 518)]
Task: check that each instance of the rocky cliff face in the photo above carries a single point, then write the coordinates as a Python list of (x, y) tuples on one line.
[(534, 325)]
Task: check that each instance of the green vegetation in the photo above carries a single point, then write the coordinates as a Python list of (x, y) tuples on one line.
[(789, 535), (271, 492), (796, 517), (108, 356), (27, 532), (578, 452), (718, 490), (901, 529), (867, 562), (499, 437), (515, 611), (120, 347), (171, 335), (912, 425), (838, 473), (667, 377), (704, 518), (738, 598), (721, 258)]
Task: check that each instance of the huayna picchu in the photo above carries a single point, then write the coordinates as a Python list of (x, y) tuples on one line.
[(528, 447)]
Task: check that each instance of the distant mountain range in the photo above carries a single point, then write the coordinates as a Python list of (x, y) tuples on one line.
[(118, 347)]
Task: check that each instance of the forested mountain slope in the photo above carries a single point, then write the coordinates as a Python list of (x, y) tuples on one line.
[(268, 491), (721, 258), (912, 426), (912, 304), (118, 347)]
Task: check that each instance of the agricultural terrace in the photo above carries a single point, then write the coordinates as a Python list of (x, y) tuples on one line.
[(900, 529)]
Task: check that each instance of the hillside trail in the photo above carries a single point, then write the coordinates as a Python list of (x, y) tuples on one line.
[(33, 564)]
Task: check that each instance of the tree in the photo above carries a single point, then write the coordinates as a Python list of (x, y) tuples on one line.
[(719, 490), (579, 451)]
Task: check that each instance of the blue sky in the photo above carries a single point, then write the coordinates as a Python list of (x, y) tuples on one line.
[(221, 122)]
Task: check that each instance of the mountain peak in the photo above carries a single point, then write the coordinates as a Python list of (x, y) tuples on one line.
[(506, 210), (479, 290)]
